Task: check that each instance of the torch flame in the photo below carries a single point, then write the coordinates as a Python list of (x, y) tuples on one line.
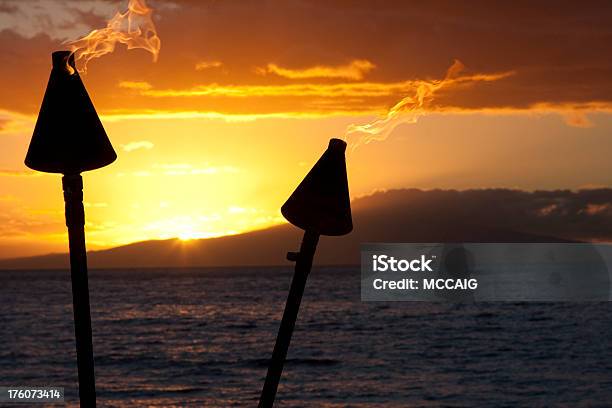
[(408, 110), (134, 28)]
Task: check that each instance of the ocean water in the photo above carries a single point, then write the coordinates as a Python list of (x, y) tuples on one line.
[(202, 337)]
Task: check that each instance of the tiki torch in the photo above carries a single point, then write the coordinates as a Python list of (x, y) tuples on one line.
[(69, 139), (320, 205)]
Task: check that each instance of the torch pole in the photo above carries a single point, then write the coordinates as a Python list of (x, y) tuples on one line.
[(303, 265), (75, 221)]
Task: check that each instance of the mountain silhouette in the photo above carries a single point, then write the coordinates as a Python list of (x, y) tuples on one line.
[(406, 215)]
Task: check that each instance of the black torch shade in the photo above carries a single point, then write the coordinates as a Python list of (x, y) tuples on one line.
[(320, 205), (68, 137), (321, 202)]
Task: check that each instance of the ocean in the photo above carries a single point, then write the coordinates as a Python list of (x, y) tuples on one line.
[(202, 337)]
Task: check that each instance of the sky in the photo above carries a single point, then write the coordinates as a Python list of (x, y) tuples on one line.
[(243, 97)]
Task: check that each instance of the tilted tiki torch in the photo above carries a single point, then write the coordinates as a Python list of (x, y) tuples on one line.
[(69, 139), (320, 205)]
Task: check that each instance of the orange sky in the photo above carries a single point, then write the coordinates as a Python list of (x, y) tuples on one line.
[(215, 135)]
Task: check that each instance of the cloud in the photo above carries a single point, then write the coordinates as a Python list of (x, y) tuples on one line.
[(19, 173), (14, 123), (137, 85), (58, 20), (142, 173), (138, 145), (355, 70), (87, 204), (575, 215), (19, 219), (211, 115), (202, 65), (337, 90), (577, 119), (557, 58)]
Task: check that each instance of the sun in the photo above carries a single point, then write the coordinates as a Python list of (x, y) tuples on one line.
[(185, 232), (187, 235)]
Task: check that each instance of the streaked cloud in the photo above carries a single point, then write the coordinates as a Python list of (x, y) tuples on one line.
[(19, 173), (21, 218), (577, 119), (138, 145), (337, 90), (355, 70), (202, 65), (149, 114), (341, 109), (87, 204), (575, 114), (15, 123), (138, 85)]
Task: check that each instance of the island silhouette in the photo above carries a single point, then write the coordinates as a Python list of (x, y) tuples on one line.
[(406, 215)]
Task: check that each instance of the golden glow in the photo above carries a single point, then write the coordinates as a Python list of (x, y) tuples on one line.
[(198, 176), (213, 138), (184, 228)]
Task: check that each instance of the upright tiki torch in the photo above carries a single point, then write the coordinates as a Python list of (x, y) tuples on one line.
[(320, 205), (69, 139)]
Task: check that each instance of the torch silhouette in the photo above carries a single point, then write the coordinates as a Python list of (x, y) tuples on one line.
[(320, 205), (69, 139)]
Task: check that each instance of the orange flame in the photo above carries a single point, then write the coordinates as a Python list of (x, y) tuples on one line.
[(134, 28), (408, 110)]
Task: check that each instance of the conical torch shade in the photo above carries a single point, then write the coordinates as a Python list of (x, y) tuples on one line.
[(68, 137), (321, 202)]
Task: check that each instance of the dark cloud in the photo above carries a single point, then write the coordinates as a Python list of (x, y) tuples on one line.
[(8, 7), (491, 213), (559, 51)]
